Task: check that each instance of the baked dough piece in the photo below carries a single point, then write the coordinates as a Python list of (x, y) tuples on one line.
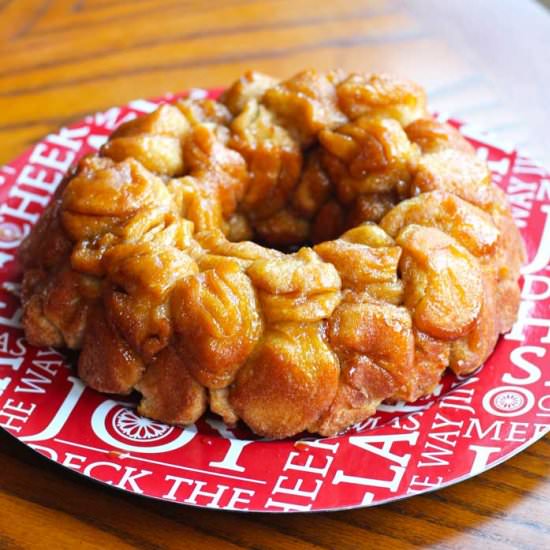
[(393, 250)]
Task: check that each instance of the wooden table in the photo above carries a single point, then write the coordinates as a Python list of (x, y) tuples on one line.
[(486, 61)]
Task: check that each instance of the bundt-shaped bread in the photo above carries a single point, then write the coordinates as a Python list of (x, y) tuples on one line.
[(391, 250)]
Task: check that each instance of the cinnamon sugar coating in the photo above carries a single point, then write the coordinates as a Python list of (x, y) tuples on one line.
[(393, 251)]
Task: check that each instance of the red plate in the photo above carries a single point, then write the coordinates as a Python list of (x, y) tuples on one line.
[(465, 427)]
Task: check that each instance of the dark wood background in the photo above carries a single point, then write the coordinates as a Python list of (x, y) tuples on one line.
[(486, 61)]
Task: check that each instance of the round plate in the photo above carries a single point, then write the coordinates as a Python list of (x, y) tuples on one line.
[(465, 427)]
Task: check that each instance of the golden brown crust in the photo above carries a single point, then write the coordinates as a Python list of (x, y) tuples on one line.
[(216, 322), (164, 121), (219, 404), (313, 189), (288, 382), (143, 322), (455, 172), (220, 170), (57, 306), (361, 388), (381, 95), (431, 358), (366, 264), (283, 229), (469, 225), (49, 245), (470, 351), (371, 208), (443, 284), (299, 287), (251, 86), (273, 157), (368, 155), (381, 332), (39, 330), (432, 136), (106, 362), (133, 261), (201, 111), (306, 104), (169, 391)]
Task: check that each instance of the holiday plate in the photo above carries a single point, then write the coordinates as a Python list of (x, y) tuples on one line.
[(465, 427)]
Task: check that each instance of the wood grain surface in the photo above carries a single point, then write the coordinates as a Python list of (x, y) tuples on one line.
[(487, 62)]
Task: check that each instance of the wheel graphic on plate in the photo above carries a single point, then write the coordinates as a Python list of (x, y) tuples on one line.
[(508, 401), (137, 428)]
